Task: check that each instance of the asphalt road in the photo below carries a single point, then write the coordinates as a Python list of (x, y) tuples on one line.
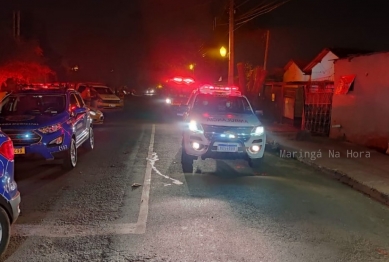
[(285, 211)]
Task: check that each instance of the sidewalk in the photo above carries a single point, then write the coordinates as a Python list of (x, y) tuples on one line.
[(363, 169)]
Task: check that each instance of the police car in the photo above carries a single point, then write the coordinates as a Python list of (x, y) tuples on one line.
[(221, 124), (47, 122), (9, 194)]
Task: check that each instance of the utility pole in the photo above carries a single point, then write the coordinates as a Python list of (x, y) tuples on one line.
[(266, 49), (16, 24), (231, 44)]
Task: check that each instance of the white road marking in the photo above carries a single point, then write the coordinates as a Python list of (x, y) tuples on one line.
[(73, 230), (144, 203), (91, 230), (154, 158)]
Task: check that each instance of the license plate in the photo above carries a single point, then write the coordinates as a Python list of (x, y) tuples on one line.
[(227, 148), (19, 151), (111, 105)]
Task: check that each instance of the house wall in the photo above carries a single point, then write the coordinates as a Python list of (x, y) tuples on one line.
[(325, 69), (294, 73), (364, 112)]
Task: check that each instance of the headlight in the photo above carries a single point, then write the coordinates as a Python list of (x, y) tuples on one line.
[(168, 101), (195, 127), (50, 129), (10, 185), (257, 131), (92, 113)]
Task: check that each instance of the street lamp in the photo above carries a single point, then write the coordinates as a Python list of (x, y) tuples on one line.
[(192, 67), (223, 51)]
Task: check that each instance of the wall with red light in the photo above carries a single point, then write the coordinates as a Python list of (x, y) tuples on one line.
[(363, 113)]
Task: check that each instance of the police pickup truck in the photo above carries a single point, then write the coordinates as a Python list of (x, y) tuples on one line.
[(221, 124)]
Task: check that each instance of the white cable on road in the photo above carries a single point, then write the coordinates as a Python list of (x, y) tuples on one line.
[(152, 160)]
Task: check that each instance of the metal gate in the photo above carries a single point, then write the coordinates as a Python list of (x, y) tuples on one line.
[(317, 107)]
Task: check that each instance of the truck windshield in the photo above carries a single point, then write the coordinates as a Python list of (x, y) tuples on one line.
[(221, 104)]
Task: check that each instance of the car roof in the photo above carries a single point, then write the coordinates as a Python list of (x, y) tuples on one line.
[(49, 91)]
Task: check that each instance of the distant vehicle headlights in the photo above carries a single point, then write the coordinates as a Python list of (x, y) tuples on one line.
[(50, 129), (168, 101)]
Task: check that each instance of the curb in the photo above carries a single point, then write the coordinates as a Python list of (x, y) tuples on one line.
[(340, 176)]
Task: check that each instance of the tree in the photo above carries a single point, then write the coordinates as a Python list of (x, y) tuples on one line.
[(21, 60)]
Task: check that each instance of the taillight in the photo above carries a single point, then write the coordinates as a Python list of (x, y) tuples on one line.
[(7, 150)]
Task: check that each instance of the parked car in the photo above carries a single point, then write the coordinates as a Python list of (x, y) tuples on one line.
[(101, 96), (96, 115), (47, 123), (10, 196)]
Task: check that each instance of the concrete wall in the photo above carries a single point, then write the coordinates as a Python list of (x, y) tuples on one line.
[(364, 112), (325, 69), (294, 73)]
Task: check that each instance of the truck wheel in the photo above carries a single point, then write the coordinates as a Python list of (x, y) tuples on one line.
[(5, 233), (255, 162), (186, 162), (90, 143), (70, 160)]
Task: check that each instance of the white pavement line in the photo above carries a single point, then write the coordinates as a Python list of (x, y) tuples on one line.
[(144, 204), (152, 161), (72, 230), (63, 231)]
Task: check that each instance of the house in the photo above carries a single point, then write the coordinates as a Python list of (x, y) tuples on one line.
[(293, 71), (304, 97), (360, 107), (321, 68)]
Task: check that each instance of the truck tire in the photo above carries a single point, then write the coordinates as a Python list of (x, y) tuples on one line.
[(70, 161), (5, 231), (255, 162)]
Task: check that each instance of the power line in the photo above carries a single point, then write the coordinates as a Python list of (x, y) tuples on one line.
[(262, 12), (242, 3), (261, 9)]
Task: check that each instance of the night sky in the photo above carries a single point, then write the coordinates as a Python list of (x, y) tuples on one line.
[(124, 36)]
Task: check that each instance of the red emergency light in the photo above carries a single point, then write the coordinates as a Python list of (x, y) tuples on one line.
[(181, 80)]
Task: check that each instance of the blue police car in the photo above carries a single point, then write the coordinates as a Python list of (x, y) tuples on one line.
[(9, 194), (47, 122)]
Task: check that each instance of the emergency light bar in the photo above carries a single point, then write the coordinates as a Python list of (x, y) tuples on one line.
[(220, 90), (181, 80), (38, 86)]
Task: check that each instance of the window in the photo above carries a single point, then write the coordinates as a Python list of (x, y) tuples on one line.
[(33, 104), (103, 90), (346, 84), (81, 89), (221, 104), (73, 101), (80, 100)]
